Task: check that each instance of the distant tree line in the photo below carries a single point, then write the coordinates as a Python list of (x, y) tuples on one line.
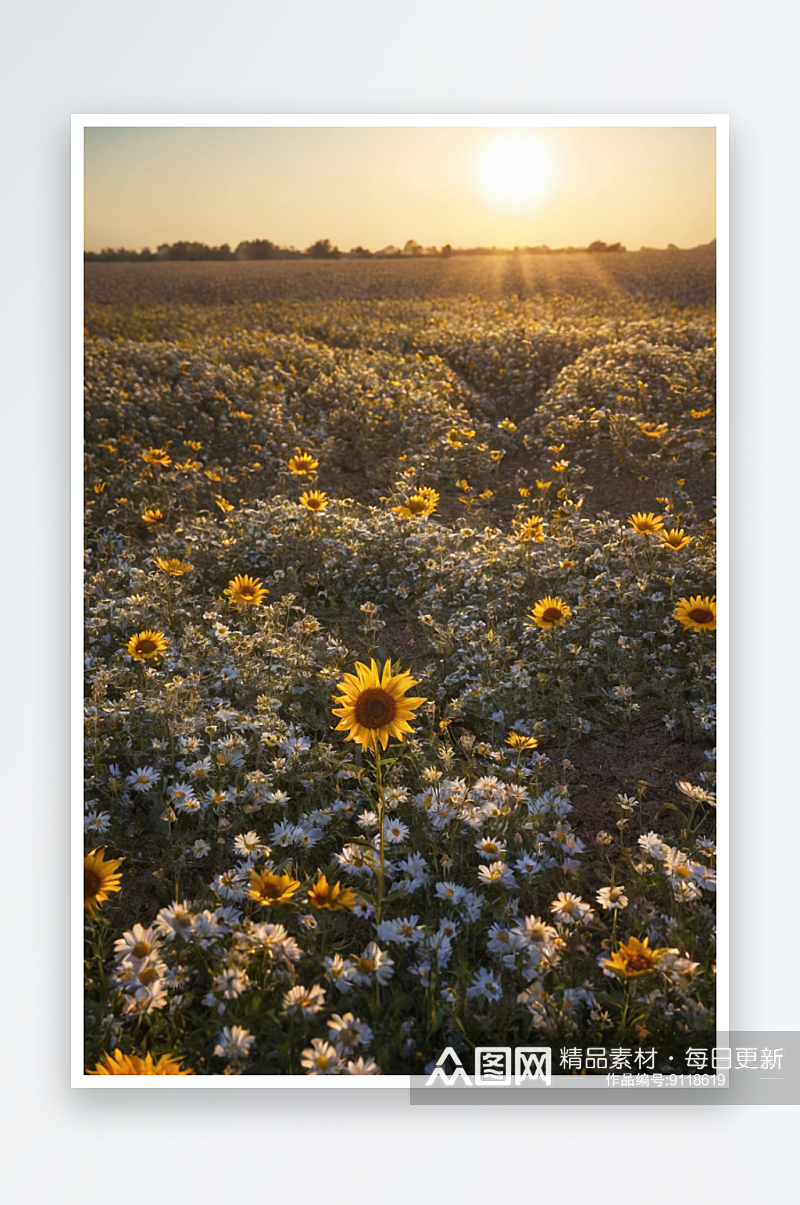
[(264, 248)]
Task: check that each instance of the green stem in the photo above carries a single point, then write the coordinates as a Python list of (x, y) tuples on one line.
[(624, 1018), (379, 787)]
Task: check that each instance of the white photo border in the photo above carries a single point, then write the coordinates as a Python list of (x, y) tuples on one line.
[(80, 122)]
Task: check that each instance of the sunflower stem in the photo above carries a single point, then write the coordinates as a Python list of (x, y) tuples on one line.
[(379, 788)]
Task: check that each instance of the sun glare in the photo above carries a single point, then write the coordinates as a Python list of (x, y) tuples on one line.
[(514, 169)]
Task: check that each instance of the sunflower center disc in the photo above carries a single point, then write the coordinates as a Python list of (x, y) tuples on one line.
[(375, 708), (552, 615), (91, 883), (146, 647), (700, 615)]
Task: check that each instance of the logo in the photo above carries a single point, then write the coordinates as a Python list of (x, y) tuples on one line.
[(440, 1073), (533, 1062), (493, 1067)]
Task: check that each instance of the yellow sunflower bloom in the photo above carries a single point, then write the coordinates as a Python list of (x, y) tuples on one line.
[(645, 524), (152, 516), (635, 958), (415, 507), (270, 888), (696, 613), (130, 1064), (245, 591), (331, 895), (303, 463), (100, 878), (518, 741), (653, 430), (373, 706), (550, 613), (156, 456), (530, 530), (147, 645), (430, 495), (314, 500), (675, 539), (173, 567)]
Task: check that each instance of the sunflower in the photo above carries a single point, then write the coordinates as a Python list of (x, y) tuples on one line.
[(699, 614), (270, 888), (653, 430), (531, 529), (373, 706), (517, 741), (156, 456), (100, 878), (303, 463), (331, 896), (152, 516), (173, 566), (131, 1064), (635, 958), (675, 539), (315, 500), (430, 495), (550, 613), (646, 523), (246, 591), (415, 507), (147, 646)]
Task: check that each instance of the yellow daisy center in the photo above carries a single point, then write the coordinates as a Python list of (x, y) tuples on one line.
[(141, 949), (147, 976), (375, 708)]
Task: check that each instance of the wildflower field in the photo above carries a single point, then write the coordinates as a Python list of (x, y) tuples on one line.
[(399, 656)]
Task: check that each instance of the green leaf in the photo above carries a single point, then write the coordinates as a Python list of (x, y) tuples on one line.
[(393, 895)]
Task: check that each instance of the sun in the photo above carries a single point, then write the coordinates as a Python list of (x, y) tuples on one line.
[(514, 168)]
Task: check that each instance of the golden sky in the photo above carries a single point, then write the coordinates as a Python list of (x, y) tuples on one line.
[(467, 186)]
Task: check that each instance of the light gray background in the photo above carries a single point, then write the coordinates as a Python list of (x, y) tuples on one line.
[(506, 57)]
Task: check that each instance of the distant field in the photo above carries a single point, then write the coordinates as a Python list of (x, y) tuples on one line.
[(683, 277)]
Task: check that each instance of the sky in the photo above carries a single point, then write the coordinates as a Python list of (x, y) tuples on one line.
[(372, 187)]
